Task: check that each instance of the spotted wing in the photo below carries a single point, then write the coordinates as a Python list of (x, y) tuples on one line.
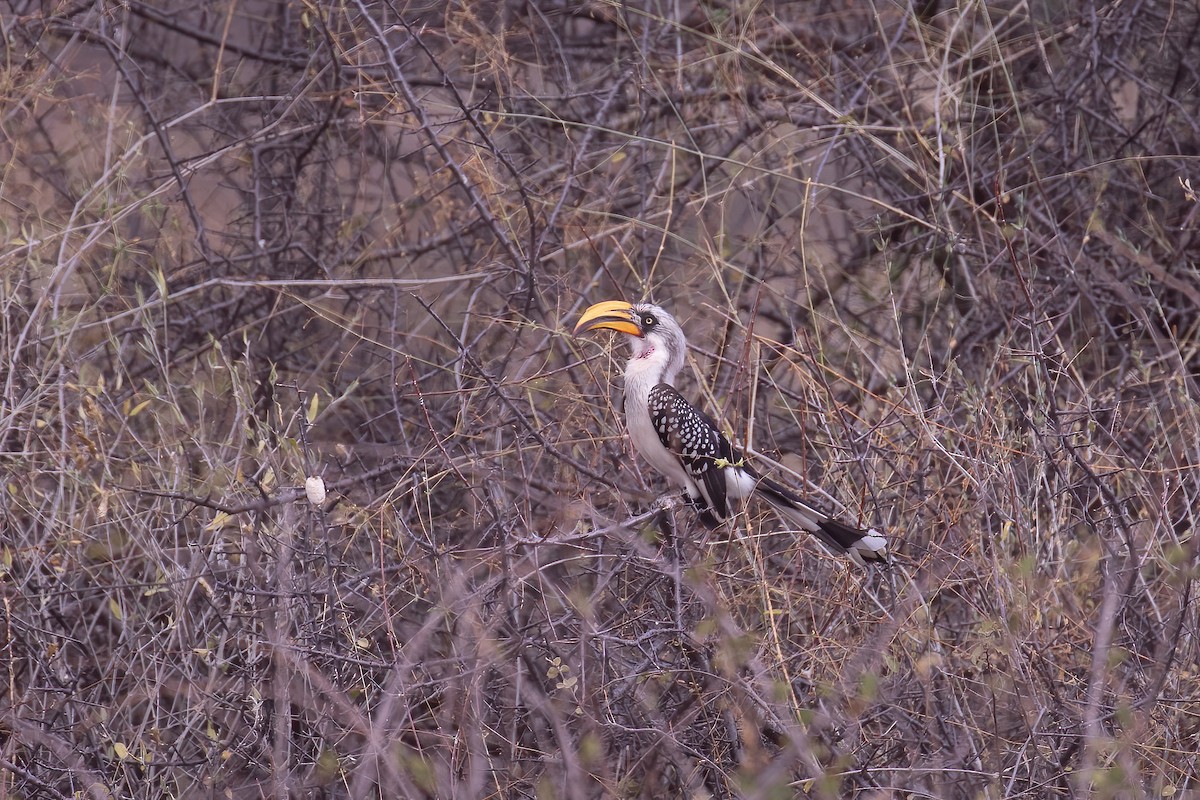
[(695, 438)]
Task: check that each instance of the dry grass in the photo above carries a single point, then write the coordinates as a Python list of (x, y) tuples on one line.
[(941, 261)]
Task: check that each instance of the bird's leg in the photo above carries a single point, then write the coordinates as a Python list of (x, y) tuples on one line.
[(664, 507), (666, 504)]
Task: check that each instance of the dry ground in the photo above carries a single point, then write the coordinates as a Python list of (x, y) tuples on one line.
[(938, 259)]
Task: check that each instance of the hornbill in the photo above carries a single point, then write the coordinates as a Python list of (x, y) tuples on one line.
[(688, 448)]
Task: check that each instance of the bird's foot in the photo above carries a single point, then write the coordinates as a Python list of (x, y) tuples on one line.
[(667, 502)]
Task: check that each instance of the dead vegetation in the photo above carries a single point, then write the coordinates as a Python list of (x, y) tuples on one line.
[(939, 260)]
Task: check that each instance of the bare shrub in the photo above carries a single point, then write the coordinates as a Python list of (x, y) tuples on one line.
[(940, 261)]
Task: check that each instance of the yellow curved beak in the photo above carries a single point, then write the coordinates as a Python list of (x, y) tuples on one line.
[(615, 315)]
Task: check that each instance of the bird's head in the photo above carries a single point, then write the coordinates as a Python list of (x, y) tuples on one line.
[(652, 333)]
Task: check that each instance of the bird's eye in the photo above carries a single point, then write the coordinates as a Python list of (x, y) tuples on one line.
[(649, 321)]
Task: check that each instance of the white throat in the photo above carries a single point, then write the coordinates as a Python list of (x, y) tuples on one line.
[(649, 366)]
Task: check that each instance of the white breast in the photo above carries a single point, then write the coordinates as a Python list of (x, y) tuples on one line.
[(642, 375)]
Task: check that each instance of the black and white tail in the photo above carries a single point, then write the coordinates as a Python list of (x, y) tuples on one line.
[(841, 539)]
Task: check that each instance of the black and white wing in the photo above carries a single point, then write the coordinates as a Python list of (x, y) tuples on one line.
[(700, 446)]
